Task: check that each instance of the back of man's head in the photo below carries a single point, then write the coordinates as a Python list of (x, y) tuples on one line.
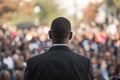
[(60, 28)]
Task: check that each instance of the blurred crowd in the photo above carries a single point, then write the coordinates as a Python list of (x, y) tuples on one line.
[(99, 43)]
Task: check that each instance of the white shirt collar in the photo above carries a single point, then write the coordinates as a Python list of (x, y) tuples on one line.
[(56, 45), (59, 45)]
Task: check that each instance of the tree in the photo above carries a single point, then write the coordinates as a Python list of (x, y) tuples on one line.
[(15, 11), (49, 10), (7, 7), (117, 3), (90, 12)]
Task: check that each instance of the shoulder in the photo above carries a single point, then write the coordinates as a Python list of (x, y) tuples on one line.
[(81, 58), (36, 58)]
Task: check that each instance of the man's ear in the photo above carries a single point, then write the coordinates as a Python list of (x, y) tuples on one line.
[(50, 34), (71, 34)]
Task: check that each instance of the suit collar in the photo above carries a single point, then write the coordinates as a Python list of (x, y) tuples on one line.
[(59, 47)]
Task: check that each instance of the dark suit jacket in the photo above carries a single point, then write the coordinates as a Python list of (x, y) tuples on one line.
[(58, 63)]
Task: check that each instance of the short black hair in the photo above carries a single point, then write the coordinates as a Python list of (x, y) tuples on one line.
[(60, 28)]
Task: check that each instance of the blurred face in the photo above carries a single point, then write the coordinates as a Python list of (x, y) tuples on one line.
[(8, 53), (112, 70), (96, 74), (88, 53), (100, 61), (94, 60), (112, 50), (118, 60), (8, 41), (100, 54), (21, 58), (19, 75), (15, 57), (19, 65), (108, 56), (5, 75)]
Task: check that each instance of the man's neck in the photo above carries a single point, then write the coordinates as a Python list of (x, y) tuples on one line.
[(63, 42)]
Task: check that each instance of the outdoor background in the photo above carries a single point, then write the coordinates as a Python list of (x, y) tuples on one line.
[(24, 26)]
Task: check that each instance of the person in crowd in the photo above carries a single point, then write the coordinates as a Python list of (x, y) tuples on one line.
[(19, 75), (3, 66), (5, 75)]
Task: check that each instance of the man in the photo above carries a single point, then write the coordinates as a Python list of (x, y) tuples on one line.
[(59, 62)]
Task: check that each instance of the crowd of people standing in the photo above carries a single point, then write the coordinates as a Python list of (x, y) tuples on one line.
[(101, 45)]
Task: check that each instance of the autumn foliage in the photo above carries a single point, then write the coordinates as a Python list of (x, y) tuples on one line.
[(7, 7)]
